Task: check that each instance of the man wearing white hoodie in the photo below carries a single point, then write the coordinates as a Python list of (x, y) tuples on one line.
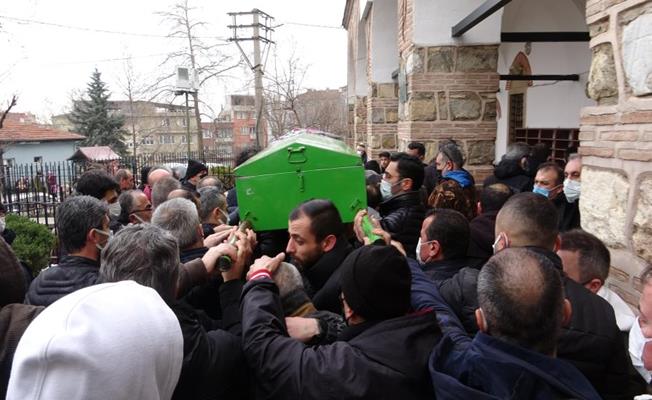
[(109, 341)]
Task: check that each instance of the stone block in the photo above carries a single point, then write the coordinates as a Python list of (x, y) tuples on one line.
[(387, 90), (477, 59), (602, 75), (432, 148), (443, 105), (489, 111), (481, 152), (375, 142), (422, 107), (378, 116), (414, 62), (391, 116), (637, 54), (389, 141), (465, 106), (596, 151), (642, 226), (619, 136), (635, 155), (441, 59), (599, 27), (604, 205)]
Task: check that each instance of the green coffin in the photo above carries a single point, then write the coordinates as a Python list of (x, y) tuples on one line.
[(303, 167)]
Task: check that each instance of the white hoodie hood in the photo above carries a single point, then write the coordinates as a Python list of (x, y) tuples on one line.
[(109, 341)]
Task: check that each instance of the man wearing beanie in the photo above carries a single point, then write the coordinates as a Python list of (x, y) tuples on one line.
[(382, 354), (195, 171)]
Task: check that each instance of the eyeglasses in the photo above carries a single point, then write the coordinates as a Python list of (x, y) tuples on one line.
[(147, 208)]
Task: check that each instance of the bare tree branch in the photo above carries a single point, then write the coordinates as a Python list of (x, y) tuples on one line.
[(12, 103)]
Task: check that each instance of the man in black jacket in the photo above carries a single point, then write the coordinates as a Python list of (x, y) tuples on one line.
[(317, 247), (512, 169), (402, 210), (83, 229), (549, 182), (592, 340), (382, 354), (443, 243), (213, 363), (482, 227)]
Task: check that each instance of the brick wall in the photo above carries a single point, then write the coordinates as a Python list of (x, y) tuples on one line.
[(616, 138)]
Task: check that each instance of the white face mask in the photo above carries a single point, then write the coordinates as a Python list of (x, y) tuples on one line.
[(419, 244), (3, 224), (572, 190), (636, 343), (386, 189)]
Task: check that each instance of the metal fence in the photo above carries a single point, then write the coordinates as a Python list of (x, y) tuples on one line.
[(34, 190)]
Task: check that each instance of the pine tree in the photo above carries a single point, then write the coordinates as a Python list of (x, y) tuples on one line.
[(93, 119)]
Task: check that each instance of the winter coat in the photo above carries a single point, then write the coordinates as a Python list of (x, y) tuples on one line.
[(382, 360), (511, 174), (569, 213), (72, 274), (322, 280), (488, 368), (482, 236), (402, 216), (444, 269), (213, 362), (592, 341)]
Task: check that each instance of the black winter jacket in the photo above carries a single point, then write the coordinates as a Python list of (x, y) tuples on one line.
[(213, 363), (322, 280), (73, 273), (511, 174), (592, 342), (402, 216), (444, 269), (569, 213), (482, 236), (385, 360)]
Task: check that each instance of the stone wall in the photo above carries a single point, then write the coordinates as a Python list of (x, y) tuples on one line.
[(360, 119), (382, 107), (450, 92), (616, 138)]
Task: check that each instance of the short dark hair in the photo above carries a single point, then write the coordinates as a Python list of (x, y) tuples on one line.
[(372, 165), (384, 154), (96, 183), (521, 295), (162, 189), (245, 154), (75, 217), (409, 167), (127, 205), (594, 257), (551, 165), (452, 152), (530, 217), (451, 229), (324, 217), (493, 197), (210, 198), (419, 147)]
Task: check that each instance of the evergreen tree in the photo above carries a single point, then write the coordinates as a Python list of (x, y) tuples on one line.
[(93, 119)]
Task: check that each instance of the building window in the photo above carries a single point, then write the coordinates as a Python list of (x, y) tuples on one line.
[(147, 140), (165, 122), (207, 134), (10, 162), (248, 130), (166, 139), (516, 111), (38, 159), (184, 141), (183, 122)]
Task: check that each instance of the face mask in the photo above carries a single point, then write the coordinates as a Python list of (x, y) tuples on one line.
[(227, 219), (140, 220), (386, 188), (495, 245), (541, 190), (572, 190), (419, 250), (3, 224), (108, 234), (636, 343)]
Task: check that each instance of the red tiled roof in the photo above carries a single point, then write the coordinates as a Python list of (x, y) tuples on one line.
[(95, 153), (20, 127)]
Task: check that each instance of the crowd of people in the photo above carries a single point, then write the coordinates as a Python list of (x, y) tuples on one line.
[(463, 291)]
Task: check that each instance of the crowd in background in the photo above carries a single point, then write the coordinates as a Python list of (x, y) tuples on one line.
[(464, 290)]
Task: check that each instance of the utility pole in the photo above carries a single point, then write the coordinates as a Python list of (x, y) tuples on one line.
[(257, 67)]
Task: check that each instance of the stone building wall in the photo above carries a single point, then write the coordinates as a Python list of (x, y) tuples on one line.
[(382, 107), (616, 138), (450, 92)]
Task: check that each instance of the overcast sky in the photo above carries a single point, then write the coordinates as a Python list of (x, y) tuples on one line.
[(45, 64)]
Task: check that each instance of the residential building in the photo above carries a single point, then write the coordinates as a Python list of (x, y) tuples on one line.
[(24, 141), (240, 115), (574, 74)]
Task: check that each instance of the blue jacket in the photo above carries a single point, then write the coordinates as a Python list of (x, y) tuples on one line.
[(488, 368)]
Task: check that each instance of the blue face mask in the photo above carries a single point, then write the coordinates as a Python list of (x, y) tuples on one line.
[(542, 191)]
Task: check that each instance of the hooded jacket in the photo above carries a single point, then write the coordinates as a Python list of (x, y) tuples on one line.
[(322, 280), (488, 368), (511, 174), (73, 273), (592, 341), (109, 341), (385, 360), (402, 216)]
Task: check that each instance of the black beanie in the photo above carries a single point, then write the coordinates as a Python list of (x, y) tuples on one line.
[(376, 282), (194, 167)]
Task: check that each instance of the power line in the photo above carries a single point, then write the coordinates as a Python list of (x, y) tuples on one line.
[(108, 59), (312, 25), (86, 29)]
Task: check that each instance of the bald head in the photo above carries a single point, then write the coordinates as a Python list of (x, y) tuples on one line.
[(528, 219), (156, 175), (521, 296)]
